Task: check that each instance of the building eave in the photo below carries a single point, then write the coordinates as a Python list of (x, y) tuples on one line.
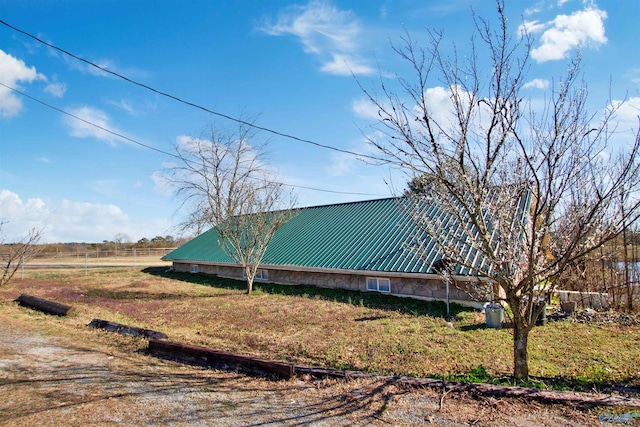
[(365, 273)]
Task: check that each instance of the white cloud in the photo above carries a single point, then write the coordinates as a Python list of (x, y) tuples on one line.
[(627, 115), (188, 143), (103, 63), (341, 164), (56, 89), (440, 105), (80, 214), (438, 101), (71, 221), (531, 27), (10, 104), (126, 106), (107, 64), (345, 164), (43, 159), (161, 185), (537, 84), (12, 72), (331, 34), (633, 75), (91, 125), (343, 65), (630, 110), (134, 108), (365, 109), (567, 32), (14, 209), (531, 11)]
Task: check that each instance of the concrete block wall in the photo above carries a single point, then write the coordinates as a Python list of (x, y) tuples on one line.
[(402, 286)]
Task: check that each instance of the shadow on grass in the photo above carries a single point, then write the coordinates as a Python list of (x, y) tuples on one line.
[(506, 324), (414, 307), (369, 318), (373, 300), (131, 295), (475, 327)]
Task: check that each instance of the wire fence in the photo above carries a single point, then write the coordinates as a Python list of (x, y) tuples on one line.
[(102, 254)]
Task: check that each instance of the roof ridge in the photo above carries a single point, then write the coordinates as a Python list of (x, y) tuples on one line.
[(350, 203)]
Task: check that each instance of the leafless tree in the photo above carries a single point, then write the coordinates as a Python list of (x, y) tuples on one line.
[(14, 255), (223, 179), (529, 190), (121, 240)]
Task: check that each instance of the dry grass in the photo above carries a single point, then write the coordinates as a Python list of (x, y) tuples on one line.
[(141, 259), (85, 380), (328, 328)]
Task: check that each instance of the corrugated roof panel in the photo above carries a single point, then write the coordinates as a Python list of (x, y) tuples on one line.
[(374, 235), (380, 244)]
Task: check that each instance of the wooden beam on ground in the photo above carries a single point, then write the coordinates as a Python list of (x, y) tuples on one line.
[(335, 373), (481, 389), (46, 306), (529, 393), (127, 330), (220, 359)]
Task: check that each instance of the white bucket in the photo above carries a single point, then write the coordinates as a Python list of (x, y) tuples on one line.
[(495, 315)]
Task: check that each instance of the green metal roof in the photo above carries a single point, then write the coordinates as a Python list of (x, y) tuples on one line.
[(374, 235)]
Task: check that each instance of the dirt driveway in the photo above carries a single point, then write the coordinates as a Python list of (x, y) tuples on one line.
[(52, 381)]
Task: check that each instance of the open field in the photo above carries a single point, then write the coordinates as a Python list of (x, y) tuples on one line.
[(56, 370), (329, 328), (130, 257), (49, 378)]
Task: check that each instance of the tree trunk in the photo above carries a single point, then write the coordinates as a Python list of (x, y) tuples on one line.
[(520, 345), (625, 258), (249, 285)]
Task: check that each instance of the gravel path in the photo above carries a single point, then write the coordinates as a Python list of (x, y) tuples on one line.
[(49, 381)]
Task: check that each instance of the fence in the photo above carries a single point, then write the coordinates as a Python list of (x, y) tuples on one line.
[(129, 253)]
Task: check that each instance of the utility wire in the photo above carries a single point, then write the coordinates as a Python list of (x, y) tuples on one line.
[(88, 122), (159, 150), (175, 98)]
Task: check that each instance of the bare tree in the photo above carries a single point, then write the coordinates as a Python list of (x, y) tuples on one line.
[(223, 179), (14, 255), (121, 240), (527, 190)]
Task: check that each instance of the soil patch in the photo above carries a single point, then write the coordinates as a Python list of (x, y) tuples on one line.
[(47, 381)]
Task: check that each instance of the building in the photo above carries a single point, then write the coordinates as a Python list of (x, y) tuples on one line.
[(368, 246)]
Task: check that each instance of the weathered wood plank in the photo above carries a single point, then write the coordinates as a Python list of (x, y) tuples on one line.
[(529, 393), (126, 330), (46, 306), (220, 359)]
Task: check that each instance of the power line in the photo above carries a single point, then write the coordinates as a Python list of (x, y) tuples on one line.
[(119, 135), (88, 122), (191, 104)]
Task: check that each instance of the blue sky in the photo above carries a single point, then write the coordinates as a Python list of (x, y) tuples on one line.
[(292, 64)]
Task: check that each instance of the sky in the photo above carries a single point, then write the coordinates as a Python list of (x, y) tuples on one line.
[(82, 152)]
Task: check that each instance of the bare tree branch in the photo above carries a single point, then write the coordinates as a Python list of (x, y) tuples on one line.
[(528, 191), (223, 180), (14, 255)]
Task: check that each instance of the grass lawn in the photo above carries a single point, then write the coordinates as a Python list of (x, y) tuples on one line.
[(328, 328)]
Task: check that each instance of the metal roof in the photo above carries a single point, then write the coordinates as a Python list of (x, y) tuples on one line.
[(373, 235)]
